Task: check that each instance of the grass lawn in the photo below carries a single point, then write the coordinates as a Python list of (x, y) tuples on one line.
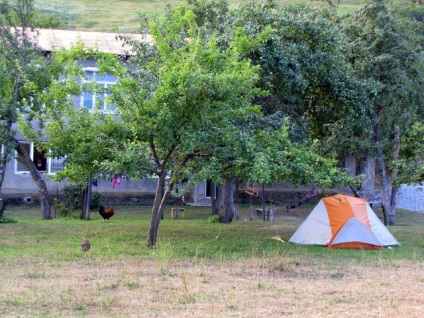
[(122, 15), (201, 269)]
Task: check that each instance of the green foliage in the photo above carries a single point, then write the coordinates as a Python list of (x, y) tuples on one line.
[(306, 85), (62, 208), (72, 197), (214, 219), (86, 139), (410, 166), (186, 93), (95, 200), (303, 65), (26, 78), (49, 20), (72, 200), (6, 220), (386, 53)]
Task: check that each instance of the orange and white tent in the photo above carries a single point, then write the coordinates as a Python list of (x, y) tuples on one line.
[(342, 221)]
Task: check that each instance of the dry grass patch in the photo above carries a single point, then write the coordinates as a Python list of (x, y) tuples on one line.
[(272, 287)]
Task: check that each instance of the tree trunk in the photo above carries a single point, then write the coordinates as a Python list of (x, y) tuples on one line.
[(158, 208), (386, 182), (38, 180), (2, 174), (3, 204), (388, 202), (2, 171), (386, 191), (216, 199), (228, 197), (87, 200)]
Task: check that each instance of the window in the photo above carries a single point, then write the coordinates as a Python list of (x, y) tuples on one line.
[(208, 190), (42, 162), (93, 100)]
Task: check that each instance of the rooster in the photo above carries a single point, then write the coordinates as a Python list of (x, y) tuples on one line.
[(106, 214)]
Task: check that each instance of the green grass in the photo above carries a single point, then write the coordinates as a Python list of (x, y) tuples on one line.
[(188, 238), (112, 15)]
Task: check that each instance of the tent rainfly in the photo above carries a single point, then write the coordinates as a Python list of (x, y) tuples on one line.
[(342, 221)]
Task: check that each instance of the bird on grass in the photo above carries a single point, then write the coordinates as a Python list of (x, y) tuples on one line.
[(106, 214), (85, 245)]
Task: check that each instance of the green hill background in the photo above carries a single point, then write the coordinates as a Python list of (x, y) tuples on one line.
[(122, 15)]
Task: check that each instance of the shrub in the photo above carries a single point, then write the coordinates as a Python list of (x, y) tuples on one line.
[(72, 197), (95, 200), (214, 219), (72, 200), (7, 220)]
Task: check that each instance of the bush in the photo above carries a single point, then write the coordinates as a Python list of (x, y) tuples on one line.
[(214, 219), (72, 200), (7, 220), (61, 207), (72, 197), (95, 200)]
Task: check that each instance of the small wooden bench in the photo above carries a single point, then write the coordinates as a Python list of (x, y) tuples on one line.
[(259, 211), (181, 213), (269, 214)]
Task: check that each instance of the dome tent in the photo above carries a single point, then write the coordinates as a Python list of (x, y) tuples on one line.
[(342, 221)]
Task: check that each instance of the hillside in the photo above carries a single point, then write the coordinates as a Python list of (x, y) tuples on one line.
[(122, 15)]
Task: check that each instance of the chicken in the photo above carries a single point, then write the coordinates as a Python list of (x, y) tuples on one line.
[(106, 214), (85, 245)]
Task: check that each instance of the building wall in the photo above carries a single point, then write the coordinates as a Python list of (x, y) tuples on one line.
[(20, 188), (22, 184)]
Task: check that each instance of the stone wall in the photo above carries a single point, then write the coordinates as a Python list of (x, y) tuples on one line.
[(411, 198)]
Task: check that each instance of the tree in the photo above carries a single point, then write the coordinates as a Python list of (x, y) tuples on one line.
[(303, 68), (83, 137), (182, 93), (410, 166), (386, 53), (25, 76)]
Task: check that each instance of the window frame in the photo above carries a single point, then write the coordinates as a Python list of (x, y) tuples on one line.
[(95, 96), (47, 161)]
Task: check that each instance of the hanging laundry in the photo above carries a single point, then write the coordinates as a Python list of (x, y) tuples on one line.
[(116, 182)]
